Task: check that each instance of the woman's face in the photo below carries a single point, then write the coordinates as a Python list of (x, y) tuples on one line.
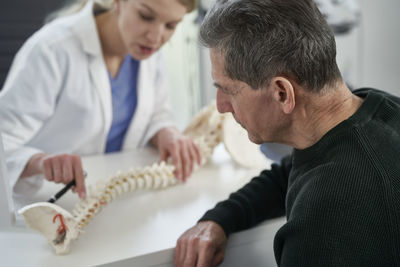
[(145, 25)]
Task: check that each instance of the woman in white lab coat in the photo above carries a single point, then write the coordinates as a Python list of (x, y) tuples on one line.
[(92, 82)]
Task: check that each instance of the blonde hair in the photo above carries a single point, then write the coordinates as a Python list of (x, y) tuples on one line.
[(77, 5), (189, 4)]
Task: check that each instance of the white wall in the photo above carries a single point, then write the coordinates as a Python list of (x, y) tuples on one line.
[(182, 60), (380, 44)]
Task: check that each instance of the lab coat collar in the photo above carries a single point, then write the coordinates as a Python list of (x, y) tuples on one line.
[(86, 29), (83, 24)]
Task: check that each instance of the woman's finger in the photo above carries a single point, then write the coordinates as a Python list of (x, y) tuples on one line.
[(196, 150), (79, 176), (56, 169), (177, 161), (186, 160), (47, 170), (67, 172)]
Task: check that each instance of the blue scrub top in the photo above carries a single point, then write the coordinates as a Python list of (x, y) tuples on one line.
[(124, 101)]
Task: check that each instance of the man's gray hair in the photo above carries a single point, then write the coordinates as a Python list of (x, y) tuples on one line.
[(260, 39)]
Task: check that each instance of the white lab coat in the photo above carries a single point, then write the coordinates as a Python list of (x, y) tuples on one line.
[(57, 96)]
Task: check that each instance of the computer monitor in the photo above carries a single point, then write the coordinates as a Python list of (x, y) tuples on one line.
[(7, 210)]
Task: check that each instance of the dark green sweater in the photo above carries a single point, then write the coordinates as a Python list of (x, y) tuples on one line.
[(341, 196)]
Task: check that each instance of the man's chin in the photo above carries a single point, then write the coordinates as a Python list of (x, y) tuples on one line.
[(254, 139)]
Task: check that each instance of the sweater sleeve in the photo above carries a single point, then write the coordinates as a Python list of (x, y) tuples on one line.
[(262, 198)]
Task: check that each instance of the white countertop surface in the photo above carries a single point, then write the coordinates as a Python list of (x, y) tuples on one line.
[(139, 228)]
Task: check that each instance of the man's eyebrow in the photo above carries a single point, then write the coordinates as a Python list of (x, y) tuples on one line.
[(217, 85), (226, 90)]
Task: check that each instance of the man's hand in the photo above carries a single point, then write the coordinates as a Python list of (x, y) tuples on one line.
[(183, 151), (62, 168), (201, 246)]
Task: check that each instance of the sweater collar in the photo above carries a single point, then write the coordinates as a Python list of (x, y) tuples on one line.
[(372, 100)]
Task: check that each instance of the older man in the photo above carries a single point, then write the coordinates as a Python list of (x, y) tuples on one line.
[(273, 62)]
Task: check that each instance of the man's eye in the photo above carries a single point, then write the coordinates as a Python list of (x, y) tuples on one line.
[(224, 90)]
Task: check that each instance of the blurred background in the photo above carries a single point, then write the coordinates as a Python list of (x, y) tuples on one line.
[(368, 48)]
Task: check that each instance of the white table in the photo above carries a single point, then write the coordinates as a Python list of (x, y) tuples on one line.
[(141, 228)]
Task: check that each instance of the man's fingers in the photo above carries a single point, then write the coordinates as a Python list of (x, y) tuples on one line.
[(182, 254), (178, 253), (190, 257), (218, 258), (200, 246), (206, 254), (79, 176), (195, 252)]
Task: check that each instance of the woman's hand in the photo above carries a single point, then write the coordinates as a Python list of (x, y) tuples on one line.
[(183, 151), (62, 168)]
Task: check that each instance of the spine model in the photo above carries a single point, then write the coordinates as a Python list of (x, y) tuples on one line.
[(155, 177), (61, 227), (204, 129)]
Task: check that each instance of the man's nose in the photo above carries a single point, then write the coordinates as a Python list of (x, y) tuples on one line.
[(223, 103)]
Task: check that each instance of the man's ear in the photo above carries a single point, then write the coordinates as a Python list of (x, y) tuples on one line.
[(283, 93)]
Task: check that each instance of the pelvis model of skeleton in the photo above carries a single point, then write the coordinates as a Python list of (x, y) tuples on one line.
[(208, 128)]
